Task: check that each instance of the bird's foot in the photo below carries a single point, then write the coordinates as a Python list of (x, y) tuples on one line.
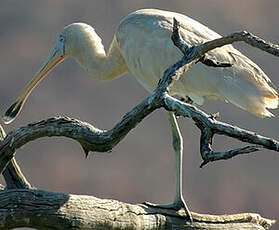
[(174, 206)]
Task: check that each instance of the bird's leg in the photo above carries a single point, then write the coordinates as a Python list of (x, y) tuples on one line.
[(177, 142)]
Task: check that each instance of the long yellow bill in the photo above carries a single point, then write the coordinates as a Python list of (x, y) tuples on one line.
[(51, 61)]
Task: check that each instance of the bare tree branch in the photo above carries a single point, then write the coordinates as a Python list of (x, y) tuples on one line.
[(12, 174), (93, 139), (90, 138), (210, 126)]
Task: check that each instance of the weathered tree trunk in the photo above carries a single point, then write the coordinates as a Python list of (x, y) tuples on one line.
[(48, 210)]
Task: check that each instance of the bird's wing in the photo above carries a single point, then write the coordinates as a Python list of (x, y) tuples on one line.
[(243, 84)]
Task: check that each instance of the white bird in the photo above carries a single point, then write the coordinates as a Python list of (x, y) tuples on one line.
[(142, 45)]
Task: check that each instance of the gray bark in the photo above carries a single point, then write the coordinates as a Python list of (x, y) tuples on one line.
[(48, 210)]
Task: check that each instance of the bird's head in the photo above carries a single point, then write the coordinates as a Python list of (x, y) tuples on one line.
[(77, 38), (74, 39)]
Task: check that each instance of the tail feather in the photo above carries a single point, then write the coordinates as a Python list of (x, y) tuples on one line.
[(260, 106), (271, 102), (250, 98)]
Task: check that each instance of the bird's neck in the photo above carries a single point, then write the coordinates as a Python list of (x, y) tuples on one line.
[(100, 65)]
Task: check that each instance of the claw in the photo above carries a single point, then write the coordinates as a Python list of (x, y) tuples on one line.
[(174, 206)]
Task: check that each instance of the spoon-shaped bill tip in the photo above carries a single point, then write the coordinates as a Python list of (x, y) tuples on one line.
[(12, 112)]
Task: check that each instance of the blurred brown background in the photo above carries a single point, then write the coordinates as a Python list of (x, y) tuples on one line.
[(140, 168)]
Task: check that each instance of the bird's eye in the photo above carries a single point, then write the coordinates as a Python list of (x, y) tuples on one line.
[(61, 38), (60, 44)]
